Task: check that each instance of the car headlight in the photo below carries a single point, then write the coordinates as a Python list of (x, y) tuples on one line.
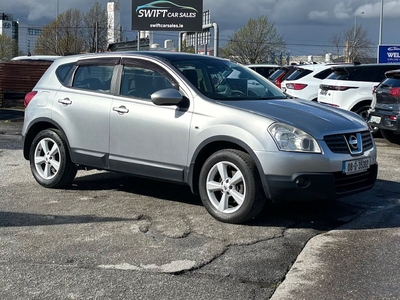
[(289, 138)]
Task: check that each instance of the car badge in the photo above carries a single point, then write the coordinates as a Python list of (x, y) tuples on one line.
[(353, 142)]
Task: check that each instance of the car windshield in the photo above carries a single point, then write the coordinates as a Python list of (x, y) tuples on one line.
[(223, 80)]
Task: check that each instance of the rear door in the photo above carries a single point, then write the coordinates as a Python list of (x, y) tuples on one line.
[(82, 109)]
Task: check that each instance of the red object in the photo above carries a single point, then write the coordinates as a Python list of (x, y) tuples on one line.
[(395, 92), (296, 86), (29, 97)]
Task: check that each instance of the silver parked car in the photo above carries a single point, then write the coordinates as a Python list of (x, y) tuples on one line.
[(182, 118)]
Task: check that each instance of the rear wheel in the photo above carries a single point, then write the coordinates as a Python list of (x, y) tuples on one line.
[(230, 187), (391, 136), (50, 163)]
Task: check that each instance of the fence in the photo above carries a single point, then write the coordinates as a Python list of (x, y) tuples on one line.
[(17, 78)]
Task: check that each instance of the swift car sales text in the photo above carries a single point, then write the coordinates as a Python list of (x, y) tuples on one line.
[(162, 13)]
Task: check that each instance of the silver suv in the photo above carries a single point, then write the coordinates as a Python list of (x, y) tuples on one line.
[(184, 118)]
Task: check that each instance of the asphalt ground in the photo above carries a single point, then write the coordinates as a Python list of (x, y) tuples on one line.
[(112, 236)]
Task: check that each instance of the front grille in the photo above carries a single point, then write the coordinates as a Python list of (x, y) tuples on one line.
[(337, 143), (354, 182)]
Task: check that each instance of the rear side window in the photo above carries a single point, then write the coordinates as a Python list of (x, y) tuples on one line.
[(323, 74), (277, 73), (298, 73), (63, 71), (93, 77), (339, 74)]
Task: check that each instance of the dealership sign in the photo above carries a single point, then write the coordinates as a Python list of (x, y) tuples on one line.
[(389, 54), (177, 15)]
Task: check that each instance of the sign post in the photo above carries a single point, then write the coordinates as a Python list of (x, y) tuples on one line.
[(388, 54), (176, 15)]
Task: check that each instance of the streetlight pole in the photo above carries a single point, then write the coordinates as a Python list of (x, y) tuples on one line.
[(381, 24), (355, 23), (57, 27)]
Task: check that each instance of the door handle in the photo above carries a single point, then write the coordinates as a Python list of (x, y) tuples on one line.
[(65, 101), (121, 110)]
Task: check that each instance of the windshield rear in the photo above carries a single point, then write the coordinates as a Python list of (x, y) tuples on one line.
[(223, 80)]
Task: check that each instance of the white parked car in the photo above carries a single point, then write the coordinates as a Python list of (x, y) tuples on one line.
[(304, 81), (350, 87)]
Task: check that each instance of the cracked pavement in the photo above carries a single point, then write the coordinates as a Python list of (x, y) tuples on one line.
[(112, 236)]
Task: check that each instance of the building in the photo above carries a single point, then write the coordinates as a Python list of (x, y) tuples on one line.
[(24, 34), (114, 23)]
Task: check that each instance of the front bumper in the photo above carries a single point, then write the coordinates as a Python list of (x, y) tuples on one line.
[(319, 186)]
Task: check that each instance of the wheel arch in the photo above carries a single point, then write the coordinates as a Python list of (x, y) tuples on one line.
[(39, 125), (212, 145), (358, 105)]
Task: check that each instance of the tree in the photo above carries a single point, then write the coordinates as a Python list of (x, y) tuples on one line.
[(359, 46), (257, 42), (75, 32), (355, 44), (7, 47), (96, 28), (62, 36), (336, 41)]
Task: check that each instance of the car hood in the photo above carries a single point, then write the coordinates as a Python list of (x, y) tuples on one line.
[(312, 117)]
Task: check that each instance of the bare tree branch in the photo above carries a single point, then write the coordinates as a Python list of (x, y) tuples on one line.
[(255, 43)]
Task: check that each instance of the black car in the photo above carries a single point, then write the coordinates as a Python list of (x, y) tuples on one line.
[(385, 111)]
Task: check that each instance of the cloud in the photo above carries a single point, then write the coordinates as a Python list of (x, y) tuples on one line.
[(342, 11), (318, 15), (41, 11)]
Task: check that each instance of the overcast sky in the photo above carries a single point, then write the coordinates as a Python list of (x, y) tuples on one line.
[(306, 25)]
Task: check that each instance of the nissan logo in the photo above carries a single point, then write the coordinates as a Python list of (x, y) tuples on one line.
[(353, 142), (7, 25)]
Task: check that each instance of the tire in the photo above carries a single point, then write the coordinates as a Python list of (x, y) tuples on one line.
[(234, 196), (363, 112), (50, 162), (391, 136)]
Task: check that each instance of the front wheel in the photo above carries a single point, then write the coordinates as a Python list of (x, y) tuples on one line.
[(230, 187), (50, 163)]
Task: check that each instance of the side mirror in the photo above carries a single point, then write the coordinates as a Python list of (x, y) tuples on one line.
[(167, 97)]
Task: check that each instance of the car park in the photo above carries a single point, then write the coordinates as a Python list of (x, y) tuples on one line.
[(304, 81), (385, 108), (178, 117), (350, 87)]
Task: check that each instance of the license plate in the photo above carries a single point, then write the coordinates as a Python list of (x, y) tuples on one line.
[(375, 119), (356, 165), (323, 92)]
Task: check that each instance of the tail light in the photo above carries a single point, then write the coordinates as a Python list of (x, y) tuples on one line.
[(29, 97), (336, 87), (296, 86), (394, 92)]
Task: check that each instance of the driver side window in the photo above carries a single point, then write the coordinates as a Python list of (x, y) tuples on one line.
[(141, 82)]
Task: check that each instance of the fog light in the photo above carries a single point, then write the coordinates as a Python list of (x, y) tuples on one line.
[(302, 182)]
